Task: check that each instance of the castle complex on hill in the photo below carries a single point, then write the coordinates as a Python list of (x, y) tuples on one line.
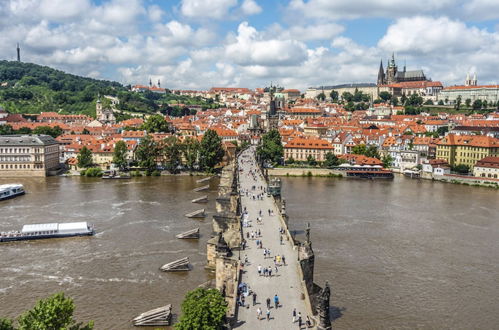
[(393, 75)]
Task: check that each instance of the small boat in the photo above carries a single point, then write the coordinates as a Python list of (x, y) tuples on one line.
[(411, 174), (48, 230), (115, 175), (11, 190)]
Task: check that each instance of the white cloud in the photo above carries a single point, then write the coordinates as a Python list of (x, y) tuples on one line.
[(61, 10), (155, 13), (315, 32), (426, 35), (482, 9), (250, 48), (216, 9), (250, 7), (346, 9)]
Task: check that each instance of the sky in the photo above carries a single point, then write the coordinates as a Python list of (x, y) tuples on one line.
[(198, 44)]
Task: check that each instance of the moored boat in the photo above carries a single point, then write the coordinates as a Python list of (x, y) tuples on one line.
[(115, 175), (48, 230), (11, 190)]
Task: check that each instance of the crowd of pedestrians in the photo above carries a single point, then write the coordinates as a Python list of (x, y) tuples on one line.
[(268, 263)]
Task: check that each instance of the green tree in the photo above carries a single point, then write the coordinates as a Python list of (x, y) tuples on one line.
[(311, 160), (173, 153), (442, 130), (156, 124), (6, 130), (6, 324), (190, 150), (334, 95), (347, 97), (85, 158), (120, 155), (147, 153), (385, 96), (477, 105), (85, 131), (202, 309), (372, 151), (458, 102), (359, 149), (440, 102), (55, 312), (429, 102), (211, 151), (467, 102), (47, 130), (321, 96), (331, 160), (271, 148), (290, 161), (387, 161), (461, 169)]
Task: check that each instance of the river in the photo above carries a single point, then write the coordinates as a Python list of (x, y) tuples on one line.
[(399, 254), (113, 276), (402, 254)]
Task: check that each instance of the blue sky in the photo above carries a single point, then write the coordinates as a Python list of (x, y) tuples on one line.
[(197, 44)]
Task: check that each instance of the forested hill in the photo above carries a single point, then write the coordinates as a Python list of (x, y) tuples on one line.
[(32, 88)]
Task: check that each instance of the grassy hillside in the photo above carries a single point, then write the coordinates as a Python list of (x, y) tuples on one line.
[(32, 88)]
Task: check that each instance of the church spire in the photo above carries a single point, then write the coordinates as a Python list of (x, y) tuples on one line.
[(381, 74)]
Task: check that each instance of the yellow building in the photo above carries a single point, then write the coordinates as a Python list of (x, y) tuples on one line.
[(466, 149), (300, 149)]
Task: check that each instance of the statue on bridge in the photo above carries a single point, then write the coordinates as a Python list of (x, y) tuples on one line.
[(323, 308)]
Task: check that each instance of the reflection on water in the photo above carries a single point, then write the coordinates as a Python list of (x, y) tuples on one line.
[(402, 254), (113, 276)]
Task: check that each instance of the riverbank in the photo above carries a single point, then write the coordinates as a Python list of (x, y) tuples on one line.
[(307, 172)]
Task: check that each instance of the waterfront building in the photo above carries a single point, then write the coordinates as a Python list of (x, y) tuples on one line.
[(487, 167), (300, 149), (28, 155), (433, 167), (466, 149)]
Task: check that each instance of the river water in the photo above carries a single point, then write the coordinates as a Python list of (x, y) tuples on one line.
[(113, 276), (402, 254), (399, 254)]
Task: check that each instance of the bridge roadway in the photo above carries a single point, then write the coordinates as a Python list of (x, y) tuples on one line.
[(286, 282)]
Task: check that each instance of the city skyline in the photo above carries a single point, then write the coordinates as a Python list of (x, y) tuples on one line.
[(192, 44)]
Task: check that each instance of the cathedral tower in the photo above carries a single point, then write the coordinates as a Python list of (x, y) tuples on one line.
[(391, 71), (381, 74)]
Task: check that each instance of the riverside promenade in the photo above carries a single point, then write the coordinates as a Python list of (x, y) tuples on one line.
[(285, 282)]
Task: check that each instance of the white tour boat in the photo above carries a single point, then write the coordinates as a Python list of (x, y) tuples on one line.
[(48, 230), (11, 190)]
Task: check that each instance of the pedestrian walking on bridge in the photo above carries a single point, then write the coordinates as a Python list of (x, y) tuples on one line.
[(276, 301)]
